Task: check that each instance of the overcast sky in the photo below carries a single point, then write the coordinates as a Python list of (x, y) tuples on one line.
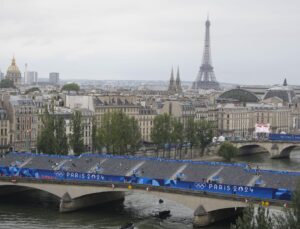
[(253, 41)]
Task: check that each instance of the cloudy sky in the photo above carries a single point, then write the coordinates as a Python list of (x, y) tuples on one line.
[(253, 41)]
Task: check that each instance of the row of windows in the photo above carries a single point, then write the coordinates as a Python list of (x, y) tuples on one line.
[(3, 132), (123, 109)]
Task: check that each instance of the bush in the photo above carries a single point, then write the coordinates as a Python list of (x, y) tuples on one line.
[(71, 87), (227, 151)]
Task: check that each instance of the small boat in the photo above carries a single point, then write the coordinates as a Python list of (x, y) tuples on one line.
[(127, 226), (163, 214)]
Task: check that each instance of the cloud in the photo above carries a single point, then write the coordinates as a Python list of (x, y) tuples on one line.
[(253, 41)]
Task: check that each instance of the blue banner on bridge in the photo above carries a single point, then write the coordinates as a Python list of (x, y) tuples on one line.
[(224, 189)]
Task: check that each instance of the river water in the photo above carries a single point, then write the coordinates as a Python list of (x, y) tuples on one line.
[(30, 211)]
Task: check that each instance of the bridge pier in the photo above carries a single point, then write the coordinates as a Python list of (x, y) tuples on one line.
[(67, 204), (203, 218)]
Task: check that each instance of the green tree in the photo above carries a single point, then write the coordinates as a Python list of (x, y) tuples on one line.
[(71, 87), (246, 221), (6, 83), (252, 220), (76, 138), (61, 138), (118, 133), (227, 150), (177, 134), (204, 134), (134, 134), (161, 131), (190, 134), (46, 142)]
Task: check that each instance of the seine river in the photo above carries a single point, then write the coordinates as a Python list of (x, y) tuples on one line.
[(27, 211)]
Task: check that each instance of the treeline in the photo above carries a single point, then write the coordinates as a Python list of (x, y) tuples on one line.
[(168, 130), (120, 134)]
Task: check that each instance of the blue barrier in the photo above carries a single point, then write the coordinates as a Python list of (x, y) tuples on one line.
[(225, 189), (284, 137)]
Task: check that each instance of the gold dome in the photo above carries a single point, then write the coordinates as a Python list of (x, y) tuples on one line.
[(13, 68)]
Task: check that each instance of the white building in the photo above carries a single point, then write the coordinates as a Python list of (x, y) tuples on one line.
[(30, 77)]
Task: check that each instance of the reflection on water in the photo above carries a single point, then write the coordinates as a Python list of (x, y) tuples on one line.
[(30, 210)]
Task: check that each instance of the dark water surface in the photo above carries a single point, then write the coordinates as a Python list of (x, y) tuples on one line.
[(29, 210)]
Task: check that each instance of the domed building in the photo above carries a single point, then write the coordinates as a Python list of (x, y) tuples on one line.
[(237, 95), (284, 92), (13, 73)]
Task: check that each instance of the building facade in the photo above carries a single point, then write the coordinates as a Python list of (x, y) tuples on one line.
[(4, 131), (23, 120)]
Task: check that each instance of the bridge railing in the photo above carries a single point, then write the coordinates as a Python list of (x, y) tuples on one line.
[(224, 189)]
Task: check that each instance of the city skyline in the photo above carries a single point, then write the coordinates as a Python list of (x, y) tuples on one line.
[(137, 40)]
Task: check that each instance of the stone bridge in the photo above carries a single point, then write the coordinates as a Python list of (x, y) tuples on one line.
[(276, 149), (70, 196)]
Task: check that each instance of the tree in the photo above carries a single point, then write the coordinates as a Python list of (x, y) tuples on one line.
[(46, 142), (252, 220), (76, 138), (190, 133), (177, 134), (161, 131), (7, 83), (247, 219), (227, 150), (134, 134), (61, 138), (71, 87), (118, 133), (204, 134), (291, 217)]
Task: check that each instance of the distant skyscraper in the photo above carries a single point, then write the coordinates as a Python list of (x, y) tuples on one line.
[(206, 77), (31, 77), (54, 78)]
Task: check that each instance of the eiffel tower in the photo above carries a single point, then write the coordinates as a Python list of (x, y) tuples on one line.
[(206, 77)]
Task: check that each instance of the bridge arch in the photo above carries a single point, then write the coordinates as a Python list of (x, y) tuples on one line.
[(252, 148), (286, 151), (8, 189)]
